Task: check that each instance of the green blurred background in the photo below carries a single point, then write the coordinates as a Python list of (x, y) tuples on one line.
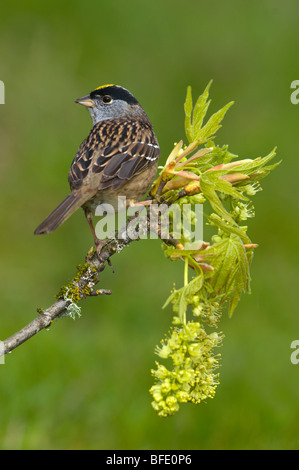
[(84, 384)]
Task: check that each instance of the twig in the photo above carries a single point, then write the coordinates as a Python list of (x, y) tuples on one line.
[(43, 320)]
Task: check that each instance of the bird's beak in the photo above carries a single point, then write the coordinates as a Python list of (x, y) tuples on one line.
[(86, 101)]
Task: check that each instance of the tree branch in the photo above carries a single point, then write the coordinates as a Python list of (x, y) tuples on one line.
[(81, 286)]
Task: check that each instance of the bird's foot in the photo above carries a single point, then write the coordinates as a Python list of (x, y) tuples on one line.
[(99, 246)]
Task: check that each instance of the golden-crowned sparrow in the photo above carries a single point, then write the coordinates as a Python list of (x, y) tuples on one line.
[(119, 157)]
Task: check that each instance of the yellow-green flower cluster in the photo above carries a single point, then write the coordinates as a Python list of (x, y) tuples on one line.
[(242, 211), (207, 311), (193, 376)]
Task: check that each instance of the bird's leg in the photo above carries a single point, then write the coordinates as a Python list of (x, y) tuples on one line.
[(99, 243)]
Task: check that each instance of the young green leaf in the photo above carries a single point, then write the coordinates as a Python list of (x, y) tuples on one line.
[(208, 187), (224, 186), (228, 228), (194, 117), (211, 127), (200, 111), (188, 116), (231, 269)]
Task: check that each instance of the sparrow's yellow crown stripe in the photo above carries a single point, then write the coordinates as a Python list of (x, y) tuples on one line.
[(104, 86)]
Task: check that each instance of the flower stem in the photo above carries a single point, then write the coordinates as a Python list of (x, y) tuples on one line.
[(186, 272)]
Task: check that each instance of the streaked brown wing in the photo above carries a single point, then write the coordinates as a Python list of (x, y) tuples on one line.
[(117, 150), (80, 166), (132, 160)]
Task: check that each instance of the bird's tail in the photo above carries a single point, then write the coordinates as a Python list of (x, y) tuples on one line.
[(70, 204)]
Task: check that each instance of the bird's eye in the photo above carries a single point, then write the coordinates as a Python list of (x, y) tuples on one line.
[(107, 99)]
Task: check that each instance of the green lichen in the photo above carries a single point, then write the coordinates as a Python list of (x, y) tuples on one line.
[(71, 291), (88, 275)]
